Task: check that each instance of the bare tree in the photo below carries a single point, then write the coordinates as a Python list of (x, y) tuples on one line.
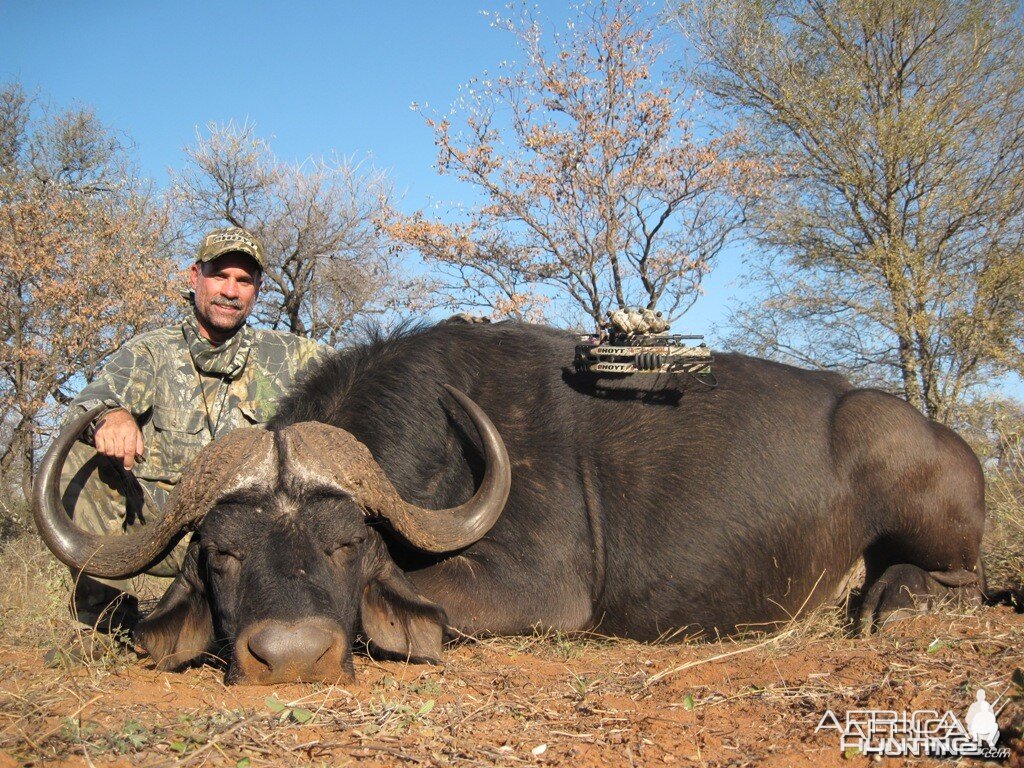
[(317, 220), (596, 190), (84, 264), (893, 231)]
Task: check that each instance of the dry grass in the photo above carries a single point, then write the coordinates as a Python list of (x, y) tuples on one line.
[(549, 698), (1004, 534), (33, 606)]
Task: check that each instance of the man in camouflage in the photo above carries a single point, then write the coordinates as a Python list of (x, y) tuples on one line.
[(169, 393)]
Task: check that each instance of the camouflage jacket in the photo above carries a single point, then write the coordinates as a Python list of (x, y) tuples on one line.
[(184, 391)]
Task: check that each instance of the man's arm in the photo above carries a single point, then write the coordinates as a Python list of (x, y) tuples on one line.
[(125, 386), (310, 351)]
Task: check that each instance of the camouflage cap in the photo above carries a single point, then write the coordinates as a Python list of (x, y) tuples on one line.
[(229, 240)]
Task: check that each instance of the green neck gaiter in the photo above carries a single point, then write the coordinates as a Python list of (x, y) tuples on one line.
[(227, 359)]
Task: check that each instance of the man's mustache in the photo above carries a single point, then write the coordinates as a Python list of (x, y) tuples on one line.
[(232, 303)]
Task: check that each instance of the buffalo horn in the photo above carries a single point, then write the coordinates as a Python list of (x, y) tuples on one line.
[(117, 556), (319, 453)]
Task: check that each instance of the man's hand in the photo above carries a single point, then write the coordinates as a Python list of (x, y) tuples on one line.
[(119, 437)]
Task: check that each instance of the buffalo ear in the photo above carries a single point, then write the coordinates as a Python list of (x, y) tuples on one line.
[(400, 623), (180, 628)]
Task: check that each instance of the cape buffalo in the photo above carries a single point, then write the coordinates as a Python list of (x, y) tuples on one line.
[(374, 506)]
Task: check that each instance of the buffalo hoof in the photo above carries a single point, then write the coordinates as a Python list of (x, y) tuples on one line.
[(905, 590)]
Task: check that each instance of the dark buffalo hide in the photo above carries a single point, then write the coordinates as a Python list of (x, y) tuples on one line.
[(640, 507)]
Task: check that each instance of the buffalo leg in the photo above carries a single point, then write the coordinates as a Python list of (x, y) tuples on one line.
[(488, 591), (905, 590), (922, 490)]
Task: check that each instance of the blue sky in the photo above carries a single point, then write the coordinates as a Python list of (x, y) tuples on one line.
[(315, 78)]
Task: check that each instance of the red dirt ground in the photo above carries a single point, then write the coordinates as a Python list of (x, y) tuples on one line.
[(556, 701)]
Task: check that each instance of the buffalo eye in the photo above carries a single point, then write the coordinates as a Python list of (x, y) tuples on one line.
[(223, 560), (343, 550)]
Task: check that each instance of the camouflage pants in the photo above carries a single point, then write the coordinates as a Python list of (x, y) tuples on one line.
[(103, 498)]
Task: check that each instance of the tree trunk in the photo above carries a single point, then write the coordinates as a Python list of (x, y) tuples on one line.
[(27, 457)]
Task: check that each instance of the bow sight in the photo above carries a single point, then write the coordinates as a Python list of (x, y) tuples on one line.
[(637, 341)]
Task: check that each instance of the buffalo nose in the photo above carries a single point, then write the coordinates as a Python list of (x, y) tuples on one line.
[(277, 652), (301, 646)]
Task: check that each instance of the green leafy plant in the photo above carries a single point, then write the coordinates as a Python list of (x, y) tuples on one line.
[(299, 715)]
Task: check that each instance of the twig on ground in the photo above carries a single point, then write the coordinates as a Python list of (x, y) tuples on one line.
[(699, 662)]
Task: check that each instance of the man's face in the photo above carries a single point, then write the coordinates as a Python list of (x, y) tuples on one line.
[(226, 290)]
